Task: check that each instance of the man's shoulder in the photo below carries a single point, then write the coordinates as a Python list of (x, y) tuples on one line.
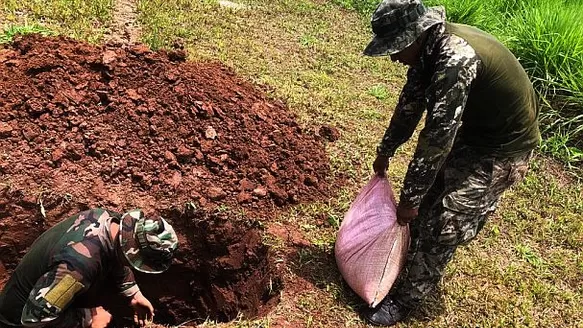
[(97, 214), (86, 218), (455, 48), (99, 211), (468, 31), (87, 233)]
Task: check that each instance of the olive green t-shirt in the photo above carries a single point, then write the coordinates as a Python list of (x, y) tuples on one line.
[(501, 111)]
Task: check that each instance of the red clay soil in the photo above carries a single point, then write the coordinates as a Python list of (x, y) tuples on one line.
[(125, 127)]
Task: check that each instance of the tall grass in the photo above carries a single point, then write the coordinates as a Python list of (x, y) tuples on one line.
[(547, 38)]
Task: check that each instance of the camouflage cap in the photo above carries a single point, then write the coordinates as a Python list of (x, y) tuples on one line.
[(398, 23), (147, 243)]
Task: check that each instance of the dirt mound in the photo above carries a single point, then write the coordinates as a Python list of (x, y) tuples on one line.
[(125, 127)]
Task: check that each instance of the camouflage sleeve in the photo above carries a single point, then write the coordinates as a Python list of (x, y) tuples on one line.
[(125, 281), (123, 276), (73, 270), (407, 115), (456, 68), (48, 301)]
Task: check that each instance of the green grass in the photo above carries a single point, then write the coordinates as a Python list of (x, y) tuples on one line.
[(379, 91), (10, 31), (80, 19), (524, 269), (365, 7)]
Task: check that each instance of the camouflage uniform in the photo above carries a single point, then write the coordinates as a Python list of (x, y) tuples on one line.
[(62, 265), (454, 210), (456, 66), (454, 185)]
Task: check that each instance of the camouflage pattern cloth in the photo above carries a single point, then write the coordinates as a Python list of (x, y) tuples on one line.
[(455, 65), (61, 265), (455, 209), (398, 23)]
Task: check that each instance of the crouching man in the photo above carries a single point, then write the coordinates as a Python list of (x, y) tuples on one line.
[(92, 249)]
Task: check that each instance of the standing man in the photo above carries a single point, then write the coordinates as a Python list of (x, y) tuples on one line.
[(480, 128), (86, 252)]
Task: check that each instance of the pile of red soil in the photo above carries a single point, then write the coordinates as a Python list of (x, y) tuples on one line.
[(125, 127)]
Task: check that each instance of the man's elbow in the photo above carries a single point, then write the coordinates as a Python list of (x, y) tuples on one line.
[(30, 322), (36, 316)]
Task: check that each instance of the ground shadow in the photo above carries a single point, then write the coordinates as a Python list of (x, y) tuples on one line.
[(318, 266), (432, 307)]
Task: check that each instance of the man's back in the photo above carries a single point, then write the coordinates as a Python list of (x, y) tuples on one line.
[(501, 111), (32, 266), (55, 245)]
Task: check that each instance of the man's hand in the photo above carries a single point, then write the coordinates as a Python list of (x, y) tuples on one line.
[(406, 213), (143, 309), (99, 317), (380, 165)]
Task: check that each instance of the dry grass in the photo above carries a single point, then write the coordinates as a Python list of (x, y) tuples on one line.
[(80, 19)]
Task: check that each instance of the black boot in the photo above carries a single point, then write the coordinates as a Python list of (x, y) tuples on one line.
[(388, 313)]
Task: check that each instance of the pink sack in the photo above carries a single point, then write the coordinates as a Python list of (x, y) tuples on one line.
[(371, 247)]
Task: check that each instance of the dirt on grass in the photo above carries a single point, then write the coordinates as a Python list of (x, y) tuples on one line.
[(124, 127)]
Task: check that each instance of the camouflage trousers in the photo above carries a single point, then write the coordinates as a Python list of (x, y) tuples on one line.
[(452, 213)]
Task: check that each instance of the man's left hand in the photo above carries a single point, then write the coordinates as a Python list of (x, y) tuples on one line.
[(406, 213), (143, 309)]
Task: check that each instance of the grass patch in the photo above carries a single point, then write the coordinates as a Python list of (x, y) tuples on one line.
[(379, 91), (365, 7), (10, 31), (86, 20)]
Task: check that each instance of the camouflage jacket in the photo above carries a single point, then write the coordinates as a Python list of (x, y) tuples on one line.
[(61, 266), (453, 64)]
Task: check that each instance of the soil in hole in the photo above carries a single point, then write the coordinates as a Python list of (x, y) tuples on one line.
[(234, 271), (124, 127)]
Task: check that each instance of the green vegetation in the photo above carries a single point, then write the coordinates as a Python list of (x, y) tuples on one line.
[(524, 270), (378, 91), (76, 18), (11, 31)]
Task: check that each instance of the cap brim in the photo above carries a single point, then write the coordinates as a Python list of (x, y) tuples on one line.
[(397, 43), (131, 249), (383, 47)]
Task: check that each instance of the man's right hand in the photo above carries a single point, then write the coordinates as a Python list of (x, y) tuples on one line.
[(99, 317), (380, 165)]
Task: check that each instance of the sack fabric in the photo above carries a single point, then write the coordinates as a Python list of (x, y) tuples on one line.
[(371, 247)]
